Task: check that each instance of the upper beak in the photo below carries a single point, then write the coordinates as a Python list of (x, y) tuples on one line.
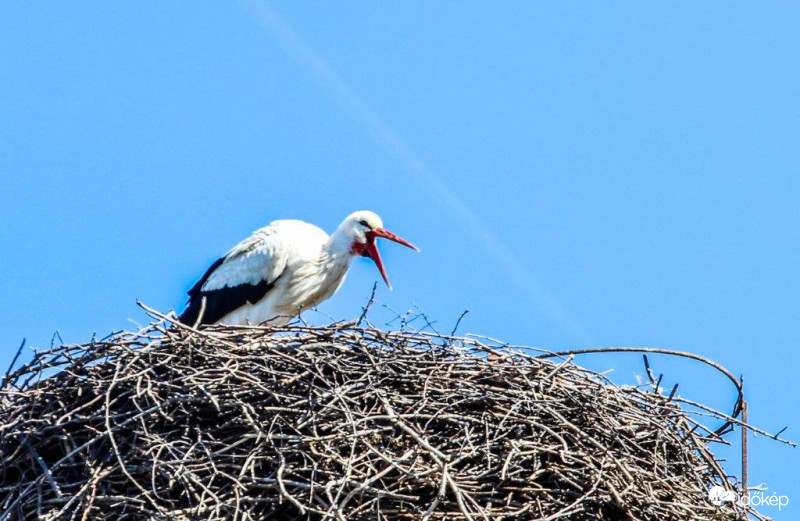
[(371, 249)]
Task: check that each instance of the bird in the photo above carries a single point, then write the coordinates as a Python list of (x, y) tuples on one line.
[(284, 269)]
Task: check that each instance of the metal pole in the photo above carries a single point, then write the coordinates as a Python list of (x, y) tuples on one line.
[(744, 444)]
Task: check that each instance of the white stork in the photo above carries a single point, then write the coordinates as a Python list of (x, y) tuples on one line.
[(283, 269)]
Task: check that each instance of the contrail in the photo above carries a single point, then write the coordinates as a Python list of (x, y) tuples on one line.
[(415, 167)]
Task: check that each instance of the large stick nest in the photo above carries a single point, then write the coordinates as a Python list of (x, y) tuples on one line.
[(338, 422)]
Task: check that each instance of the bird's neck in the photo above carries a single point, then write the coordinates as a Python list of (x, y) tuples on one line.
[(329, 270), (339, 248)]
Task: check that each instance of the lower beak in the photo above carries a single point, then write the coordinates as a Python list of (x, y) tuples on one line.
[(371, 249)]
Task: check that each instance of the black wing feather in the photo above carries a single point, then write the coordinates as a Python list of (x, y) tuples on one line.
[(221, 301)]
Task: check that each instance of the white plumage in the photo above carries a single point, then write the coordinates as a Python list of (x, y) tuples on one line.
[(282, 270)]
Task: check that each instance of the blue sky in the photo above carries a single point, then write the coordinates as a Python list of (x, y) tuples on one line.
[(576, 175)]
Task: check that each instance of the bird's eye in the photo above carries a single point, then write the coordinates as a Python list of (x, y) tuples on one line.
[(365, 224)]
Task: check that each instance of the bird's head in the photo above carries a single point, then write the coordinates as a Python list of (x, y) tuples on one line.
[(361, 229)]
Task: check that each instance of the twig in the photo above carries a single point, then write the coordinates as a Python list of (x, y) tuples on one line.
[(12, 364), (369, 305), (458, 322)]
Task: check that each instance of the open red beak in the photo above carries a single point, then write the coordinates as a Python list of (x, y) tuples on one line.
[(371, 249)]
